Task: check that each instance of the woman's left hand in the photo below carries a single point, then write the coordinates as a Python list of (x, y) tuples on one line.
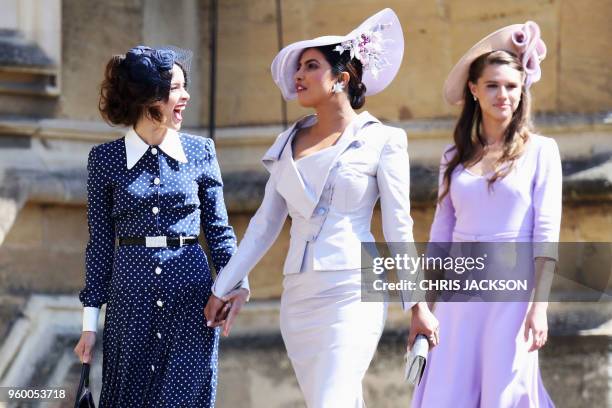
[(215, 307), (536, 322)]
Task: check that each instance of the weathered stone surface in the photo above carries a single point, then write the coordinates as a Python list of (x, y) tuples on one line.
[(25, 271), (64, 229), (66, 187), (91, 34), (576, 71), (585, 68), (593, 183), (16, 51), (30, 231), (267, 275), (10, 309), (246, 43), (436, 35), (30, 105), (591, 222), (186, 35)]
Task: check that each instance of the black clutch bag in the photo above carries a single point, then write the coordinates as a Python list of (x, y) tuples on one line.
[(84, 399)]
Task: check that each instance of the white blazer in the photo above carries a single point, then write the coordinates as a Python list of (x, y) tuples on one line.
[(371, 162)]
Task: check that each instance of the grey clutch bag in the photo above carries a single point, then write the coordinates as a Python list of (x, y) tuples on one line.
[(416, 360)]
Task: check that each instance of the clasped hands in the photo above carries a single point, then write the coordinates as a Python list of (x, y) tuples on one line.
[(222, 311)]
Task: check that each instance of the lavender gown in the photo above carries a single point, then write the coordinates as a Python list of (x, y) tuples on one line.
[(483, 359)]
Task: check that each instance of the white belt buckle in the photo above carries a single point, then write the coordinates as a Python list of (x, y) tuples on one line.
[(156, 242)]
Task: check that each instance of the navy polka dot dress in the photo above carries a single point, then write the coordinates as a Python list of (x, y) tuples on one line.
[(157, 350)]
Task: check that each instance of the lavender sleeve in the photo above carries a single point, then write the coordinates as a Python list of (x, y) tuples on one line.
[(262, 231), (547, 199), (444, 218)]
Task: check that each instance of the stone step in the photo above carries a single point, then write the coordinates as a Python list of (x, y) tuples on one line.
[(254, 370)]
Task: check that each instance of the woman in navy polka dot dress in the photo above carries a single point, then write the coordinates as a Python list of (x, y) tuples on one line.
[(152, 191)]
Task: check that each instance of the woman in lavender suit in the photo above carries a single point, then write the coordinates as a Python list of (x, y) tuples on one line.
[(327, 171), (499, 182)]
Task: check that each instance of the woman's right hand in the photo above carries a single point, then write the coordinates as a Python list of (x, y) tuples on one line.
[(424, 322), (85, 346)]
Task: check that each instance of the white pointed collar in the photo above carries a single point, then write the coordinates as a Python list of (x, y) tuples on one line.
[(274, 152), (135, 147)]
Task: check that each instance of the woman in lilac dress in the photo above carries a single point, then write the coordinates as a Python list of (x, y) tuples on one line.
[(499, 182)]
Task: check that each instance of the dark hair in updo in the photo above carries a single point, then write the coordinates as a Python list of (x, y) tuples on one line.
[(344, 63), (125, 99)]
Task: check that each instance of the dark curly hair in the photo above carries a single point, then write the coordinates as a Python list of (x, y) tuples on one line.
[(344, 63), (125, 97)]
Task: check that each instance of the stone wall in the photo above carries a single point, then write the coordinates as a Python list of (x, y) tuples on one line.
[(91, 33), (576, 77), (576, 72)]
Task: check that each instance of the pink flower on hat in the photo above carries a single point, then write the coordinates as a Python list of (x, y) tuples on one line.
[(532, 51), (368, 48)]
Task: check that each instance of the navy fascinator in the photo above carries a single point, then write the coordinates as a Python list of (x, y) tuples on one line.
[(146, 65)]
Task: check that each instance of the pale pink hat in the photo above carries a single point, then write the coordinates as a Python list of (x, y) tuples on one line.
[(521, 39), (378, 43)]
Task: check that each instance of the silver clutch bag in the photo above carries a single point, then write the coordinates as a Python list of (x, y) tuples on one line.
[(416, 360)]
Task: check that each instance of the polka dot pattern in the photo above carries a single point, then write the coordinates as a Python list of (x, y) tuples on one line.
[(157, 350)]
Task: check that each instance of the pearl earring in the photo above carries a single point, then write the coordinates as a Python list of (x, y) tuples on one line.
[(475, 98), (338, 87)]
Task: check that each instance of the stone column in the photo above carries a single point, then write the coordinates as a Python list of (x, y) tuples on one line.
[(176, 23)]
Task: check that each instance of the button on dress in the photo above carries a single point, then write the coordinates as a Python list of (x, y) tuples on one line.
[(157, 350)]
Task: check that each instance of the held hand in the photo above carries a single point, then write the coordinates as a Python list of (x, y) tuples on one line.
[(536, 322), (424, 322), (236, 299), (214, 311), (84, 348)]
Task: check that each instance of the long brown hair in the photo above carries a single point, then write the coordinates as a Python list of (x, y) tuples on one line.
[(467, 135)]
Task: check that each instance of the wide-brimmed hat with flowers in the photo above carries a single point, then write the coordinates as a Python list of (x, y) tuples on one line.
[(378, 43), (521, 39)]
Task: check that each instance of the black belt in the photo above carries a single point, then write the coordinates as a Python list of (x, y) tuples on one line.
[(158, 242)]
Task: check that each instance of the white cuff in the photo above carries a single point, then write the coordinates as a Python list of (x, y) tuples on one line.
[(406, 306), (245, 285), (90, 318)]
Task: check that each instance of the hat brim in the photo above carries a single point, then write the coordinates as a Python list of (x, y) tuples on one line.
[(454, 85), (285, 63)]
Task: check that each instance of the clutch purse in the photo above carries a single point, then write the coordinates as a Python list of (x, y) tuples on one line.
[(84, 399), (416, 360)]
